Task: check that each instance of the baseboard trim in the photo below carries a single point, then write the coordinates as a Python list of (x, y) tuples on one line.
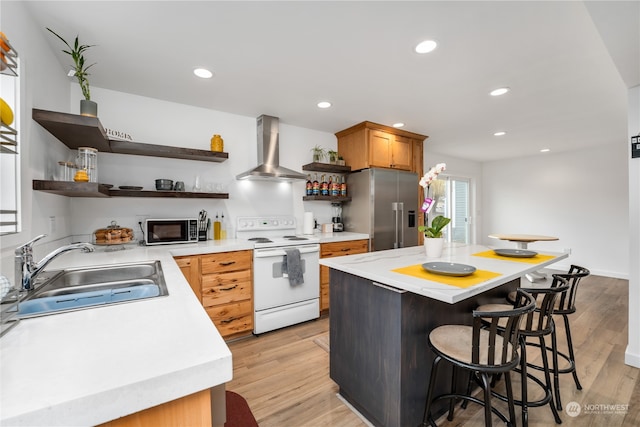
[(632, 359)]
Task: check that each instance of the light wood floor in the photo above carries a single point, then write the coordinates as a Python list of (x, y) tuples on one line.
[(284, 375)]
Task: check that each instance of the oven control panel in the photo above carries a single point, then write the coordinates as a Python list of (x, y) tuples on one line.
[(266, 223)]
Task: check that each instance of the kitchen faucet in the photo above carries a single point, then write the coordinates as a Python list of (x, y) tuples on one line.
[(27, 269)]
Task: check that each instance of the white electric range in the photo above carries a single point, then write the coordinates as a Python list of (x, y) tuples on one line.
[(277, 301)]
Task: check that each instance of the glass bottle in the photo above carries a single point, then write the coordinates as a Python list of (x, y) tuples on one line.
[(309, 188), (343, 187), (216, 228), (324, 189), (223, 228), (315, 186)]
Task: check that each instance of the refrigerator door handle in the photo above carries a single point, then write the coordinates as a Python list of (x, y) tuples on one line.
[(401, 209), (394, 208)]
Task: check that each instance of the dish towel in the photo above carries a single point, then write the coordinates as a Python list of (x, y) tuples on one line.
[(292, 266)]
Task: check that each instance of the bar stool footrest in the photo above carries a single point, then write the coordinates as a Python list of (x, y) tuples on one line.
[(470, 399)]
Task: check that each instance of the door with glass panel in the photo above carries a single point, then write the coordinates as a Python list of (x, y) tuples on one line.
[(451, 198)]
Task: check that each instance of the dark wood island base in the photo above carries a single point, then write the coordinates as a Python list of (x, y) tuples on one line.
[(379, 355)]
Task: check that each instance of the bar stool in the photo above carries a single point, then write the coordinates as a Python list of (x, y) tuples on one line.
[(565, 305), (481, 350), (536, 324)]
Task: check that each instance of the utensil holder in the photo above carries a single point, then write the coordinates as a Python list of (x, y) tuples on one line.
[(202, 235)]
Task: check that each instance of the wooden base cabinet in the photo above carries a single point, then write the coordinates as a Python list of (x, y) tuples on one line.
[(223, 284), (368, 145), (328, 250), (190, 267), (192, 410)]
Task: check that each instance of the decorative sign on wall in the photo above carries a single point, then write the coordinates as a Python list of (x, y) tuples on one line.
[(635, 146)]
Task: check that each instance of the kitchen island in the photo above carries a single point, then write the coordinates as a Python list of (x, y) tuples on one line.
[(93, 366), (380, 319)]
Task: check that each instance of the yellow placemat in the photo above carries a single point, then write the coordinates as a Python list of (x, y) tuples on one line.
[(533, 260), (478, 276)]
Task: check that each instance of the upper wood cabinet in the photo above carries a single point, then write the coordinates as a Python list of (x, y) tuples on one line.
[(368, 144)]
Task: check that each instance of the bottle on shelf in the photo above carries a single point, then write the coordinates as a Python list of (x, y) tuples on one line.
[(315, 186), (343, 187), (309, 188), (324, 186), (335, 188)]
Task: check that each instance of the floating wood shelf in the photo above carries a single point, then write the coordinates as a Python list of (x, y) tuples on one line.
[(326, 167), (327, 198), (76, 131), (93, 189), (169, 194), (72, 189)]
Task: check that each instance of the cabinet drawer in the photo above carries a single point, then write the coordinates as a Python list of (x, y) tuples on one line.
[(225, 261), (328, 250), (226, 287), (232, 318)]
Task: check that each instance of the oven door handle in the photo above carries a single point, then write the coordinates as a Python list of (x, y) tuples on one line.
[(271, 252)]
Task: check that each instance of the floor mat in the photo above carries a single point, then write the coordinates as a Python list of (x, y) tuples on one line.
[(238, 412)]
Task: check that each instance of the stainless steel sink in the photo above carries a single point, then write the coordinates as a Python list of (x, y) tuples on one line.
[(83, 288)]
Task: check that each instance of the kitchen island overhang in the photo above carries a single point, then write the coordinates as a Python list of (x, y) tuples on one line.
[(380, 320)]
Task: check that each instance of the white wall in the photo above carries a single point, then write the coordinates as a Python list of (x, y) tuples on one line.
[(632, 355), (464, 169), (580, 197)]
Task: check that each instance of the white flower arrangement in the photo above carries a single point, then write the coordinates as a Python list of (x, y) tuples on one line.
[(432, 174)]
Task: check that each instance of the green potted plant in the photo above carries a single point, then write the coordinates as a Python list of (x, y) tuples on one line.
[(333, 156), (87, 107), (434, 242), (318, 154), (341, 161)]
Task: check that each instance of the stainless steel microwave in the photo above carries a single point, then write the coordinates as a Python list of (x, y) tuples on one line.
[(170, 231)]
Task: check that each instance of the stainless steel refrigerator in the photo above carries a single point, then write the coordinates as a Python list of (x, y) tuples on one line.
[(384, 204)]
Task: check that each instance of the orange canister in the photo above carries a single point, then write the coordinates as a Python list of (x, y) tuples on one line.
[(217, 143)]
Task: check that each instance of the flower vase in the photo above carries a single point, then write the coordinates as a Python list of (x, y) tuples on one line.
[(433, 247)]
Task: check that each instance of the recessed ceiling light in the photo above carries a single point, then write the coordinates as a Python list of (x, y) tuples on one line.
[(501, 133), (203, 73), (499, 91), (398, 125), (426, 46), (545, 150), (324, 104)]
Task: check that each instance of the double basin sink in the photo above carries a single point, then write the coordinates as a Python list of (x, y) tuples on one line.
[(82, 288)]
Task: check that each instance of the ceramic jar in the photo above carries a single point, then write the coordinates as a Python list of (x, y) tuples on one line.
[(217, 143)]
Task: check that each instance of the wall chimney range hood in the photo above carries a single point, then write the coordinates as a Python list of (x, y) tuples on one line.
[(269, 154)]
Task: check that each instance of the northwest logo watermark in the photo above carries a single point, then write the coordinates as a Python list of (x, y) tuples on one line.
[(573, 409)]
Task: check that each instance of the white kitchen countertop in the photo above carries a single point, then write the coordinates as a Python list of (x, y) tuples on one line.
[(341, 236), (377, 266), (90, 366)]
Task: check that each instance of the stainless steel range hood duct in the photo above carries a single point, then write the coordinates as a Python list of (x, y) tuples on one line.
[(268, 154)]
